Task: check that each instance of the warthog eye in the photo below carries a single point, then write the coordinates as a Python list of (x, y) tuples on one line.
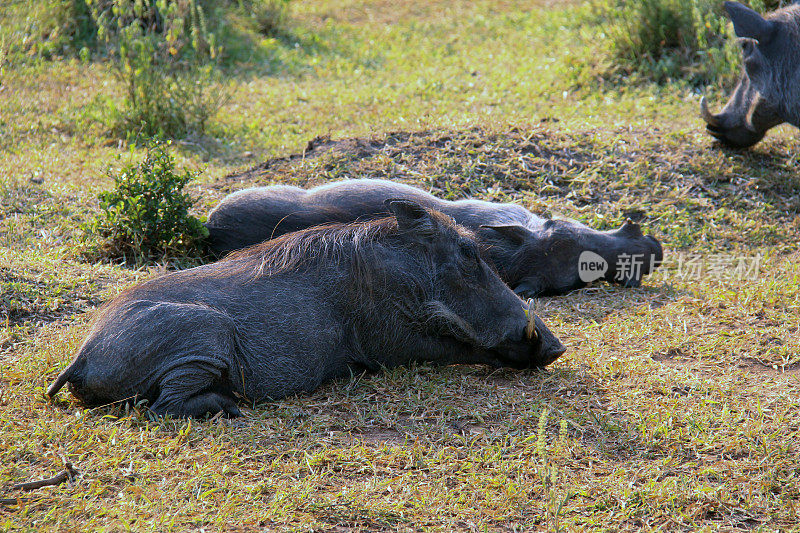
[(469, 251), (747, 45)]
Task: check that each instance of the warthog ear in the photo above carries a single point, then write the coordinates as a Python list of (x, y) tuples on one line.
[(749, 24), (630, 229), (513, 232), (411, 216)]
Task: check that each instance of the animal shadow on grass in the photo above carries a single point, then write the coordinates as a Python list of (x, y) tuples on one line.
[(455, 406), (599, 300), (459, 405), (774, 163)]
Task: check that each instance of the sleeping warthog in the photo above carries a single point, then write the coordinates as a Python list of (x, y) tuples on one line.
[(535, 256), (287, 315), (768, 93)]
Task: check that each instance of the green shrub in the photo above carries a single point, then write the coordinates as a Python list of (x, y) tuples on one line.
[(146, 215), (269, 17), (64, 27), (664, 40), (50, 28), (164, 55), (3, 58), (162, 96)]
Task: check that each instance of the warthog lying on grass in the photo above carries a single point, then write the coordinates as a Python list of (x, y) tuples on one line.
[(287, 315), (768, 93), (535, 256)]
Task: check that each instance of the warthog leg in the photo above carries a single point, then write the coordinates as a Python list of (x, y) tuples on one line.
[(197, 406), (176, 356), (196, 387)]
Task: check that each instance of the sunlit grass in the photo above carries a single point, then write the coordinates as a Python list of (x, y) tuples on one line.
[(676, 406)]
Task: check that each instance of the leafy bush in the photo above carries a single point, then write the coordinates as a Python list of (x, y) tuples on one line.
[(3, 58), (64, 27), (164, 55), (664, 40), (146, 215), (163, 97), (268, 16), (51, 28)]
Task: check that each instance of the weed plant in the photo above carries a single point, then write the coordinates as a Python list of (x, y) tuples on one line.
[(146, 214)]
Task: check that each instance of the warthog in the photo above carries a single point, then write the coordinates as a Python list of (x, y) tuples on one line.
[(287, 315), (768, 93), (535, 256)]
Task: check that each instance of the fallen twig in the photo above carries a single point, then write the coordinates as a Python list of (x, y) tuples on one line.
[(68, 474), (13, 501)]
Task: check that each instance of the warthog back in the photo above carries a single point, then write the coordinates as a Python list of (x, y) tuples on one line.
[(535, 256)]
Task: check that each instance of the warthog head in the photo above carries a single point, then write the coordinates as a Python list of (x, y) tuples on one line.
[(547, 260), (768, 93), (472, 304)]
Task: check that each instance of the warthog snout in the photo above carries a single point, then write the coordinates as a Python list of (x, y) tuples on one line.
[(769, 88), (537, 347)]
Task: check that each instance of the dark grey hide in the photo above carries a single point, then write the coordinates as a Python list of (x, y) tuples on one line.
[(768, 93), (285, 316), (535, 256)]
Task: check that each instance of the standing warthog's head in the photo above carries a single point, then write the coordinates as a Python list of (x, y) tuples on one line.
[(768, 93)]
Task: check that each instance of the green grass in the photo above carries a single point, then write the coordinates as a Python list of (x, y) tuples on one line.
[(676, 406)]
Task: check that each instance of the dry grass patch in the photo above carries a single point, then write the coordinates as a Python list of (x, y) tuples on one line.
[(687, 193), (361, 12)]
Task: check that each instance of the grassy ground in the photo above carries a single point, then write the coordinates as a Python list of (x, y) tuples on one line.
[(676, 406)]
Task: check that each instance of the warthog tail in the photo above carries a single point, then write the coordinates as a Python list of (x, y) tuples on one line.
[(65, 376)]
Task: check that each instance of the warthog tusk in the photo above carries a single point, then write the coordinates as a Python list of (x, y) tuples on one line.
[(530, 327), (710, 119), (748, 119)]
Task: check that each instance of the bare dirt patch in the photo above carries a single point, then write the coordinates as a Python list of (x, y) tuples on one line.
[(393, 12), (773, 370), (611, 175), (456, 162), (380, 435)]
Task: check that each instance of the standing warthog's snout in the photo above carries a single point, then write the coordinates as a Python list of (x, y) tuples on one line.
[(733, 127), (709, 118), (768, 91)]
